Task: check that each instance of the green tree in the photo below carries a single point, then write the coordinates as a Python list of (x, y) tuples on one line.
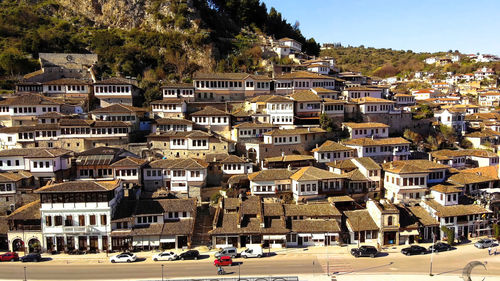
[(13, 62), (450, 234), (326, 123)]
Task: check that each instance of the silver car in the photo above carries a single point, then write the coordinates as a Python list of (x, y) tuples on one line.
[(484, 243)]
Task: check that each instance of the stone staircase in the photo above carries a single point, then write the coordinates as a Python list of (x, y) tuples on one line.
[(203, 224)]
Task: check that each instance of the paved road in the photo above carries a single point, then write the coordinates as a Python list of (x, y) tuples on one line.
[(446, 263)]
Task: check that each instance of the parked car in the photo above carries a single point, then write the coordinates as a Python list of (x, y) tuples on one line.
[(165, 256), (414, 250), (31, 258), (189, 255), (123, 257), (440, 247), (10, 256), (364, 251), (228, 251), (223, 261), (484, 243), (252, 251)]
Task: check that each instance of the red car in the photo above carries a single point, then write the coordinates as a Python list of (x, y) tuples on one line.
[(223, 261), (10, 256)]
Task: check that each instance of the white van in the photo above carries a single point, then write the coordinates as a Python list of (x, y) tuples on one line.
[(228, 251), (252, 251)]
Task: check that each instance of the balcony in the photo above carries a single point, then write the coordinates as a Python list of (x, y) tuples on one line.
[(74, 229)]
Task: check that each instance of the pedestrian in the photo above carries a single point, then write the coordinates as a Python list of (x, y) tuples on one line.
[(489, 250)]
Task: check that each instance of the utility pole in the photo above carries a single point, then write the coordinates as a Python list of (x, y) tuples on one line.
[(162, 272), (239, 271), (432, 252), (25, 274)]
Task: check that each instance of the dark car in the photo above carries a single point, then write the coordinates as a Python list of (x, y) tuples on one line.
[(440, 247), (414, 250), (10, 256), (31, 258), (364, 251), (189, 255)]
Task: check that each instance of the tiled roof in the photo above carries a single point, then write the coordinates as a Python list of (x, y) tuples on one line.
[(311, 210), (233, 159), (360, 220), (305, 95), (483, 134), (365, 125), (302, 75), (67, 81), (362, 89), (129, 162), (161, 206), (289, 158), (368, 163), (30, 211), (442, 188), (118, 108), (271, 174), (456, 210), (168, 101), (231, 203), (374, 142), (270, 98), (488, 171), (38, 152), (338, 199), (114, 81), (342, 164), (371, 100), (228, 76), (315, 226), (13, 177), (29, 99), (329, 145), (297, 131), (449, 154), (173, 121), (210, 111), (423, 216), (355, 175), (189, 163), (321, 90), (273, 209), (103, 150), (468, 178), (251, 125), (412, 166), (79, 186), (313, 174)]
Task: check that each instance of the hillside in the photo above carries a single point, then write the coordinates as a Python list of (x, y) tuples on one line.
[(148, 39), (387, 62)]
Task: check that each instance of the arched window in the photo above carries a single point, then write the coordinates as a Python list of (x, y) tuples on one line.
[(389, 220)]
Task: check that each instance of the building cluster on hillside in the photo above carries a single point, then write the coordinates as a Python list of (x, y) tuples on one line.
[(83, 167)]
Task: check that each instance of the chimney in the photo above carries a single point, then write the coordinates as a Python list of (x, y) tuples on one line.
[(317, 145), (391, 166), (283, 154), (373, 137), (289, 167), (215, 159), (308, 129)]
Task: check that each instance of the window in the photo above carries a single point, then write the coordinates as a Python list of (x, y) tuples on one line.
[(92, 220), (389, 220), (58, 220), (81, 220), (104, 219), (48, 221)]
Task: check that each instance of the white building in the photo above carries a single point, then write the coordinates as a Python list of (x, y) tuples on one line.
[(388, 149), (77, 215), (332, 151), (115, 90), (366, 130)]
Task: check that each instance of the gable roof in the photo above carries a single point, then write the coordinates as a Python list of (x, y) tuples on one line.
[(118, 108), (455, 210), (29, 99), (371, 100), (305, 95), (365, 125), (129, 162), (312, 173), (331, 146), (368, 163), (311, 210), (297, 131), (233, 159), (360, 220), (114, 81), (271, 174), (38, 152), (210, 111), (412, 166), (375, 142), (80, 186), (442, 188), (185, 164), (173, 121)]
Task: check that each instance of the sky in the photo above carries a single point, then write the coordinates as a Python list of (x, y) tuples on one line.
[(418, 25)]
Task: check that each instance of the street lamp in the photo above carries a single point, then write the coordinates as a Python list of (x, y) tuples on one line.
[(239, 271), (162, 272), (25, 274), (432, 252)]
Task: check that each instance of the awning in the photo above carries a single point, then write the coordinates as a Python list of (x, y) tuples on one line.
[(304, 234), (409, 233), (274, 237), (318, 236), (167, 240)]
